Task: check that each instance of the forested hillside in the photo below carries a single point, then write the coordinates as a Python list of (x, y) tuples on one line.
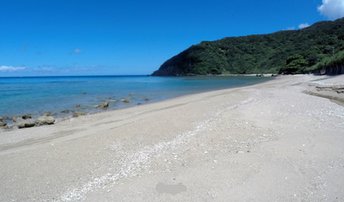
[(318, 47)]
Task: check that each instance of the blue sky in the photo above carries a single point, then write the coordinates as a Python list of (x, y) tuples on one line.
[(84, 37)]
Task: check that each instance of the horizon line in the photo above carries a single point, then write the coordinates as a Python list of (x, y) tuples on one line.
[(100, 75)]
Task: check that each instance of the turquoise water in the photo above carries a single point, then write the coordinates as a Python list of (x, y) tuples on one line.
[(36, 95)]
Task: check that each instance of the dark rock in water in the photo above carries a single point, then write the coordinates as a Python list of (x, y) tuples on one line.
[(14, 119), (25, 123), (146, 99), (103, 105), (65, 111), (77, 106), (77, 114), (125, 100), (139, 103), (47, 114), (26, 116), (3, 124), (45, 120)]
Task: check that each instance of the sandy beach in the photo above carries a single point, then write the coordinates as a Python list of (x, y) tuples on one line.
[(281, 140)]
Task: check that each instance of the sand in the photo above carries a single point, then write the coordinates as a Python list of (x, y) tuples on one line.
[(273, 141)]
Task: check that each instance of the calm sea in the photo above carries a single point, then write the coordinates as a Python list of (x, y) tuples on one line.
[(36, 95)]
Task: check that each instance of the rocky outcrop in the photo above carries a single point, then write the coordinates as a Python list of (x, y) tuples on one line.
[(47, 114), (26, 116), (45, 120), (125, 100), (3, 124), (26, 121), (334, 93), (103, 105), (21, 123), (333, 70), (14, 119), (337, 89), (77, 114), (66, 111)]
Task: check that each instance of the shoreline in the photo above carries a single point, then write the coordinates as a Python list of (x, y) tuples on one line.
[(112, 112), (245, 142), (112, 103)]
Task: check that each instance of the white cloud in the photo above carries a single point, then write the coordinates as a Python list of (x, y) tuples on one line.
[(303, 25), (332, 9), (5, 68)]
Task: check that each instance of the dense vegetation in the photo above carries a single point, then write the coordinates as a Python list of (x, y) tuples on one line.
[(330, 65), (318, 47)]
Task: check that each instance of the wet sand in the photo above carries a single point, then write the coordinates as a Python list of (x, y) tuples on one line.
[(268, 142)]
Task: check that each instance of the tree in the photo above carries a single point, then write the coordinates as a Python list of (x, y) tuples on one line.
[(294, 64)]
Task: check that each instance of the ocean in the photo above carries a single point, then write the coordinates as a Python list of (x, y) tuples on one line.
[(67, 94)]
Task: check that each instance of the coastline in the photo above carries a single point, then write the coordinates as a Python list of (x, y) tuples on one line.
[(116, 98), (245, 142), (251, 75)]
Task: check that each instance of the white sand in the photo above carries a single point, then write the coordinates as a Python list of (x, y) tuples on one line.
[(268, 142)]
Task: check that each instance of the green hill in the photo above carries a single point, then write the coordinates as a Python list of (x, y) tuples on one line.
[(312, 49)]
